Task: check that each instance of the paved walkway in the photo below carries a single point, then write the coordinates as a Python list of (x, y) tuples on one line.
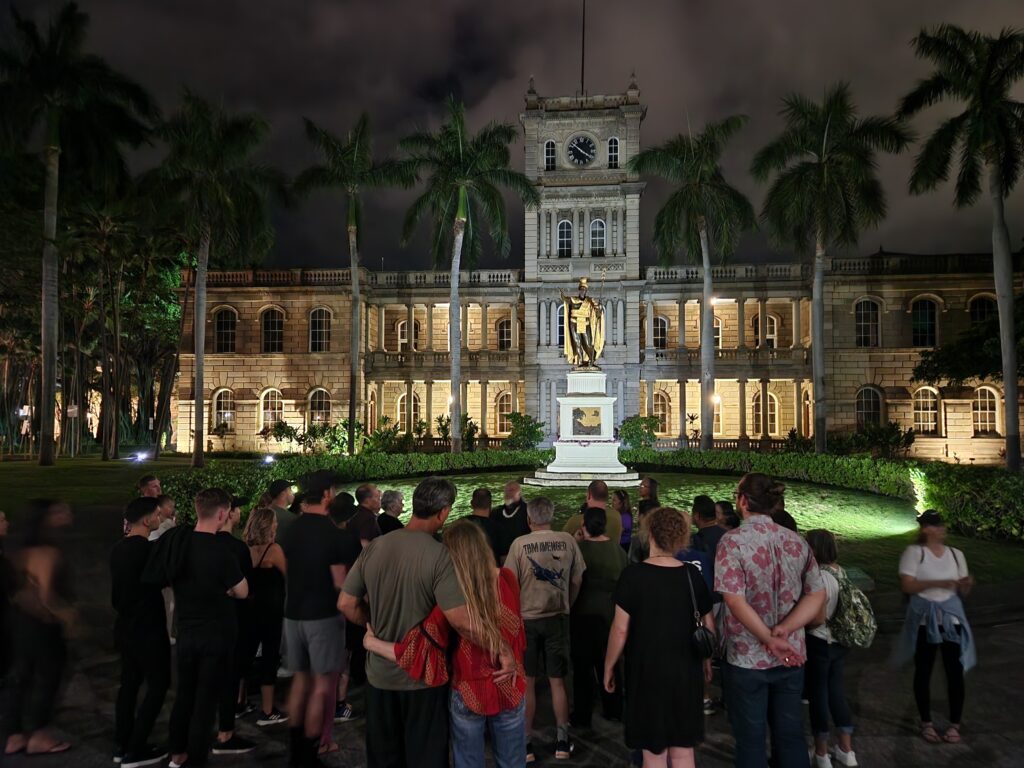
[(881, 697)]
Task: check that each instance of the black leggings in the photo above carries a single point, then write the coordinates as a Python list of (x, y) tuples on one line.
[(40, 654), (266, 633), (924, 662)]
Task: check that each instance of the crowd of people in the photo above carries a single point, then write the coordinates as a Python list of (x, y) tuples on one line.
[(455, 629)]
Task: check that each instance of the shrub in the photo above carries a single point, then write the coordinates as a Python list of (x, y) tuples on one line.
[(526, 433), (986, 502), (638, 431)]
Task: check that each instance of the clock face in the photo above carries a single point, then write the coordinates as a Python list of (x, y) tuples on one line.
[(582, 150)]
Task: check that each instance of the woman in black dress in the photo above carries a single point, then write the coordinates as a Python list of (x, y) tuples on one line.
[(654, 624)]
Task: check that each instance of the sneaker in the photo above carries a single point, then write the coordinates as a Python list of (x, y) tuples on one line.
[(530, 756), (243, 709), (848, 759), (820, 761), (709, 707), (273, 717), (236, 745), (283, 673), (118, 755), (343, 712), (564, 749), (147, 756)]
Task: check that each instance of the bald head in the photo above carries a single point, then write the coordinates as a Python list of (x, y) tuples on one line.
[(513, 492)]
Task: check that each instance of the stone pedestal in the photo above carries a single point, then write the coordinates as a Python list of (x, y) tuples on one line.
[(586, 448)]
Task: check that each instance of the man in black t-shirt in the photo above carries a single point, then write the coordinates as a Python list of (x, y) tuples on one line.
[(481, 506), (140, 633), (319, 555), (364, 522), (510, 521), (205, 583)]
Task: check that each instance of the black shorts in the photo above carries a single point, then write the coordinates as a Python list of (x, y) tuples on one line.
[(547, 646)]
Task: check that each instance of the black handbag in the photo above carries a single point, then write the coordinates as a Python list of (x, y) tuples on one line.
[(703, 639)]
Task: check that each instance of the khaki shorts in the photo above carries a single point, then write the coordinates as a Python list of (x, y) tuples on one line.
[(315, 646), (547, 647)]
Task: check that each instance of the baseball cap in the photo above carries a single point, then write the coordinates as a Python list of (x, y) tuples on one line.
[(930, 517), (278, 487)]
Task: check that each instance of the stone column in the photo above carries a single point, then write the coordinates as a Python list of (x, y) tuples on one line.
[(542, 406), (764, 409), (514, 386), (622, 231), (741, 321), (514, 319), (545, 241), (762, 322), (553, 386), (798, 333), (587, 218), (465, 326), (798, 416), (410, 328), (553, 233), (380, 404), (408, 407), (364, 318), (620, 400), (650, 396), (649, 330), (464, 394), (700, 320), (682, 413), (483, 326), (543, 336), (430, 407), (581, 235), (430, 327), (620, 320), (483, 408), (681, 309), (744, 437), (381, 317)]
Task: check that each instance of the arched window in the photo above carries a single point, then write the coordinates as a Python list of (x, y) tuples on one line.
[(503, 407), (403, 336), (319, 407), (773, 413), (402, 417), (320, 330), (982, 308), (771, 331), (869, 408), (225, 323), (866, 322), (926, 411), (597, 237), (564, 239), (663, 413), (549, 155), (984, 408), (716, 329), (273, 331), (613, 152), (504, 335), (923, 323), (660, 332), (224, 409), (560, 325), (271, 408)]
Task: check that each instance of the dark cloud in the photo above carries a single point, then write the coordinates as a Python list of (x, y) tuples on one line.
[(695, 61)]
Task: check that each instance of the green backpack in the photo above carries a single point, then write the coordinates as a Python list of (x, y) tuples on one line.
[(853, 624)]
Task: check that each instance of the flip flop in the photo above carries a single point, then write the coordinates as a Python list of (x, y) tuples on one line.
[(18, 749), (327, 749), (929, 734), (952, 735), (56, 749)]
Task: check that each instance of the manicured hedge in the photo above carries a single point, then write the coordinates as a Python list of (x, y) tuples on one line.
[(985, 502)]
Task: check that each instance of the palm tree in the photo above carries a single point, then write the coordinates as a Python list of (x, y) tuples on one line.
[(703, 212), (824, 193), (223, 192), (463, 175), (980, 72), (80, 106), (348, 165)]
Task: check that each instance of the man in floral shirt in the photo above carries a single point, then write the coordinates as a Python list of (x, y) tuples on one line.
[(772, 588)]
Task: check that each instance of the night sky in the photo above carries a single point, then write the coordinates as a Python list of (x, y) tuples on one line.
[(695, 61)]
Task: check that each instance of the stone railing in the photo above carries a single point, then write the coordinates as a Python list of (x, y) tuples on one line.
[(242, 278), (754, 356), (722, 444), (916, 264), (729, 273), (435, 359)]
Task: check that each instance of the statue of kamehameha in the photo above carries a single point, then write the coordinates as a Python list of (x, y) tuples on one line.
[(584, 328)]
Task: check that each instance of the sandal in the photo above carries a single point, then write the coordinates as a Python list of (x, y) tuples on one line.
[(952, 735), (53, 749), (929, 734), (329, 748), (15, 743)]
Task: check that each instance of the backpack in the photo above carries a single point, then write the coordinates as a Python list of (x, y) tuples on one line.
[(853, 624)]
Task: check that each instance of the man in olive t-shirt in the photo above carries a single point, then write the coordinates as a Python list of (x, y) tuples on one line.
[(597, 498), (394, 585)]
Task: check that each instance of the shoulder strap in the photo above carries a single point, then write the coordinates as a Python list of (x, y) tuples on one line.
[(265, 550)]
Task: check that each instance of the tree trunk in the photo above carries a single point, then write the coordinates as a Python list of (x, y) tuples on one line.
[(167, 381), (707, 350), (355, 340), (50, 309), (818, 350), (199, 337), (455, 325), (1002, 267)]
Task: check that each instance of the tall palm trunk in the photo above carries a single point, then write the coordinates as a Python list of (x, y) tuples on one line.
[(707, 351), (455, 324), (167, 381), (1002, 267), (199, 337), (50, 309), (354, 341), (818, 349)]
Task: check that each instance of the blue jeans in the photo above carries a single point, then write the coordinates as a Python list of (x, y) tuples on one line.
[(508, 735), (754, 695), (825, 689)]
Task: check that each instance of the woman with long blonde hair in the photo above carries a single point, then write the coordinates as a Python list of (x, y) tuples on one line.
[(477, 703)]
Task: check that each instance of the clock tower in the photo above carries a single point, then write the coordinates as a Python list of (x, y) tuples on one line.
[(587, 224)]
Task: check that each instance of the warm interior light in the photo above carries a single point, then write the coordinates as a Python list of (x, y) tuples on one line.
[(716, 398)]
